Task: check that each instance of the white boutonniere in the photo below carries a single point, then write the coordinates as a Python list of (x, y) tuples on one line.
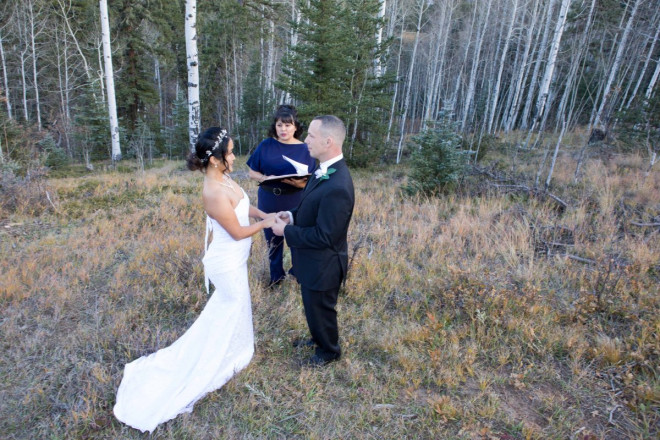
[(320, 174)]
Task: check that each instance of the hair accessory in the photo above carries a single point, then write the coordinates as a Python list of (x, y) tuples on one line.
[(221, 137)]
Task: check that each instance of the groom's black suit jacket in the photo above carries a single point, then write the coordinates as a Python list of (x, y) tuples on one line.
[(317, 238)]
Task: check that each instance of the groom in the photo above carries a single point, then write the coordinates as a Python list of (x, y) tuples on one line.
[(316, 234)]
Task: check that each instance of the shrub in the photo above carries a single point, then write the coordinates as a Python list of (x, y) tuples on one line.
[(437, 161), (56, 157), (22, 194)]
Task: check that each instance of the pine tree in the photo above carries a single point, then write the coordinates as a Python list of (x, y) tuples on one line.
[(90, 127), (136, 90), (256, 107), (331, 70), (176, 134)]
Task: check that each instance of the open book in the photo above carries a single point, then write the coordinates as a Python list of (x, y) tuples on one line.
[(301, 172)]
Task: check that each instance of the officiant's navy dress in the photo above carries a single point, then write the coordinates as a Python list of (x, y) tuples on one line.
[(277, 196)]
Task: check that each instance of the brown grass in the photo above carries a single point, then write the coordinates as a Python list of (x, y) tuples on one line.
[(457, 321)]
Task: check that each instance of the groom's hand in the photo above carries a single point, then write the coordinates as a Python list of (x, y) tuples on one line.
[(285, 216), (278, 227)]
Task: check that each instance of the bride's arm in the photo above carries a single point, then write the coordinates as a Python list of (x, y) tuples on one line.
[(218, 206), (258, 214)]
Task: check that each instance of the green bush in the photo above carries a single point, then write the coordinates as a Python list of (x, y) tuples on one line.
[(437, 161)]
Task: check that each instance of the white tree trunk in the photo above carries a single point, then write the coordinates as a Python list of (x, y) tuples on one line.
[(469, 96), (101, 69), (435, 72), (6, 80), (237, 91), (451, 108), (62, 77), (544, 89), (505, 50), (110, 81), (194, 114), (34, 64), (159, 85), (600, 115), (406, 102), (64, 8), (646, 65), (271, 59), (23, 56), (654, 79), (379, 39), (396, 84), (537, 66), (522, 72), (580, 49), (554, 156), (295, 18)]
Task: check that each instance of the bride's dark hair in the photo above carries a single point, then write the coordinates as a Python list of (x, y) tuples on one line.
[(213, 142)]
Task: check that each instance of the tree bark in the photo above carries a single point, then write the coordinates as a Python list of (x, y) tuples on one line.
[(379, 39), (23, 54), (496, 92), (436, 64), (554, 156), (524, 121), (469, 96), (396, 84), (6, 79), (34, 64), (411, 69), (65, 16), (577, 63), (654, 79), (109, 80), (63, 81), (544, 89), (601, 117), (524, 67), (646, 65), (159, 85), (194, 114)]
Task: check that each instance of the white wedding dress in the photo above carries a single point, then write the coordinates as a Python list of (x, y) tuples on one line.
[(164, 384)]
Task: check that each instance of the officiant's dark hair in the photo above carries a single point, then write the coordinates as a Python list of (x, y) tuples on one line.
[(289, 114), (213, 142)]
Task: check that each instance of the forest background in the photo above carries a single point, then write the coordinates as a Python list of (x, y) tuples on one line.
[(520, 303), (387, 68)]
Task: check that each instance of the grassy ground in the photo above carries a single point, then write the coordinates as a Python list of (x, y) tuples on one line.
[(478, 315)]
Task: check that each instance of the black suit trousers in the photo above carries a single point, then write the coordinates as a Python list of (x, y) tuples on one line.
[(322, 321)]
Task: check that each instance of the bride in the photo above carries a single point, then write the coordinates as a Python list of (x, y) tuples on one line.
[(162, 385)]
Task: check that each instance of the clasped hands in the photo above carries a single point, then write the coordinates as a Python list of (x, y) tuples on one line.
[(281, 220)]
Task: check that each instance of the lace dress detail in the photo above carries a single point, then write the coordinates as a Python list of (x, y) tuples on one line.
[(158, 387)]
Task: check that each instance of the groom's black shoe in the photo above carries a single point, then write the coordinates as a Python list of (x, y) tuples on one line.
[(299, 343), (317, 361)]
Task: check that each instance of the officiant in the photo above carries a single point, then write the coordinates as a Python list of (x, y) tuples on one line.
[(281, 154)]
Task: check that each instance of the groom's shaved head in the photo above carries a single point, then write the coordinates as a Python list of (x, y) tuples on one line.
[(332, 126)]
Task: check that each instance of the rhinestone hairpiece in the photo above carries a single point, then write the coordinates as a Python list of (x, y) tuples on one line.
[(221, 137)]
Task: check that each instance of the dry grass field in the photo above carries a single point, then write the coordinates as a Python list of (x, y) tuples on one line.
[(482, 314)]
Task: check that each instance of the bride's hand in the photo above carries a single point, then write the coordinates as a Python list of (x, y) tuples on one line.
[(269, 220)]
